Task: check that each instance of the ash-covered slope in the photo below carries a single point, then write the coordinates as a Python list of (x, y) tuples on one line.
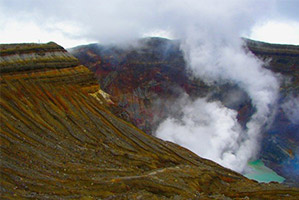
[(147, 79), (60, 141)]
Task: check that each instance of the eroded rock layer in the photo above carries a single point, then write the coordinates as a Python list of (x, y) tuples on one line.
[(23, 57)]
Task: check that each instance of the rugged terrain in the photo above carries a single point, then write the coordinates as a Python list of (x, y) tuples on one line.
[(59, 140), (145, 80)]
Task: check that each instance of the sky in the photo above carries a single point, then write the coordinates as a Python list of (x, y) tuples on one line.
[(75, 22)]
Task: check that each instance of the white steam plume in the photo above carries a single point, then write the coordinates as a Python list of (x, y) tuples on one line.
[(215, 53), (216, 60), (207, 128)]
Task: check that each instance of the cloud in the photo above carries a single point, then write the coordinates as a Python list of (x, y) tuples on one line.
[(272, 31), (120, 20), (124, 20), (38, 35), (287, 9)]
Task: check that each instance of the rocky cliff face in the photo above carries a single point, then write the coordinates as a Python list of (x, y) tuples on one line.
[(60, 141), (147, 78)]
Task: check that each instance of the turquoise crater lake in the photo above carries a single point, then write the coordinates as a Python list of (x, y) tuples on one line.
[(261, 173)]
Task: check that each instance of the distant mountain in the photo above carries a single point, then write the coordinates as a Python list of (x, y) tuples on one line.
[(145, 79), (59, 140)]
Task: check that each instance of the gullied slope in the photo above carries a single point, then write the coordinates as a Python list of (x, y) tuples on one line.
[(59, 142)]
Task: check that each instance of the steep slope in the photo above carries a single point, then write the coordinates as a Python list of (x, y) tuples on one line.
[(146, 79), (60, 142)]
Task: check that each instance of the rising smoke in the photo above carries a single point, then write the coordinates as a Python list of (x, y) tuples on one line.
[(207, 128), (227, 143), (210, 33), (215, 53)]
